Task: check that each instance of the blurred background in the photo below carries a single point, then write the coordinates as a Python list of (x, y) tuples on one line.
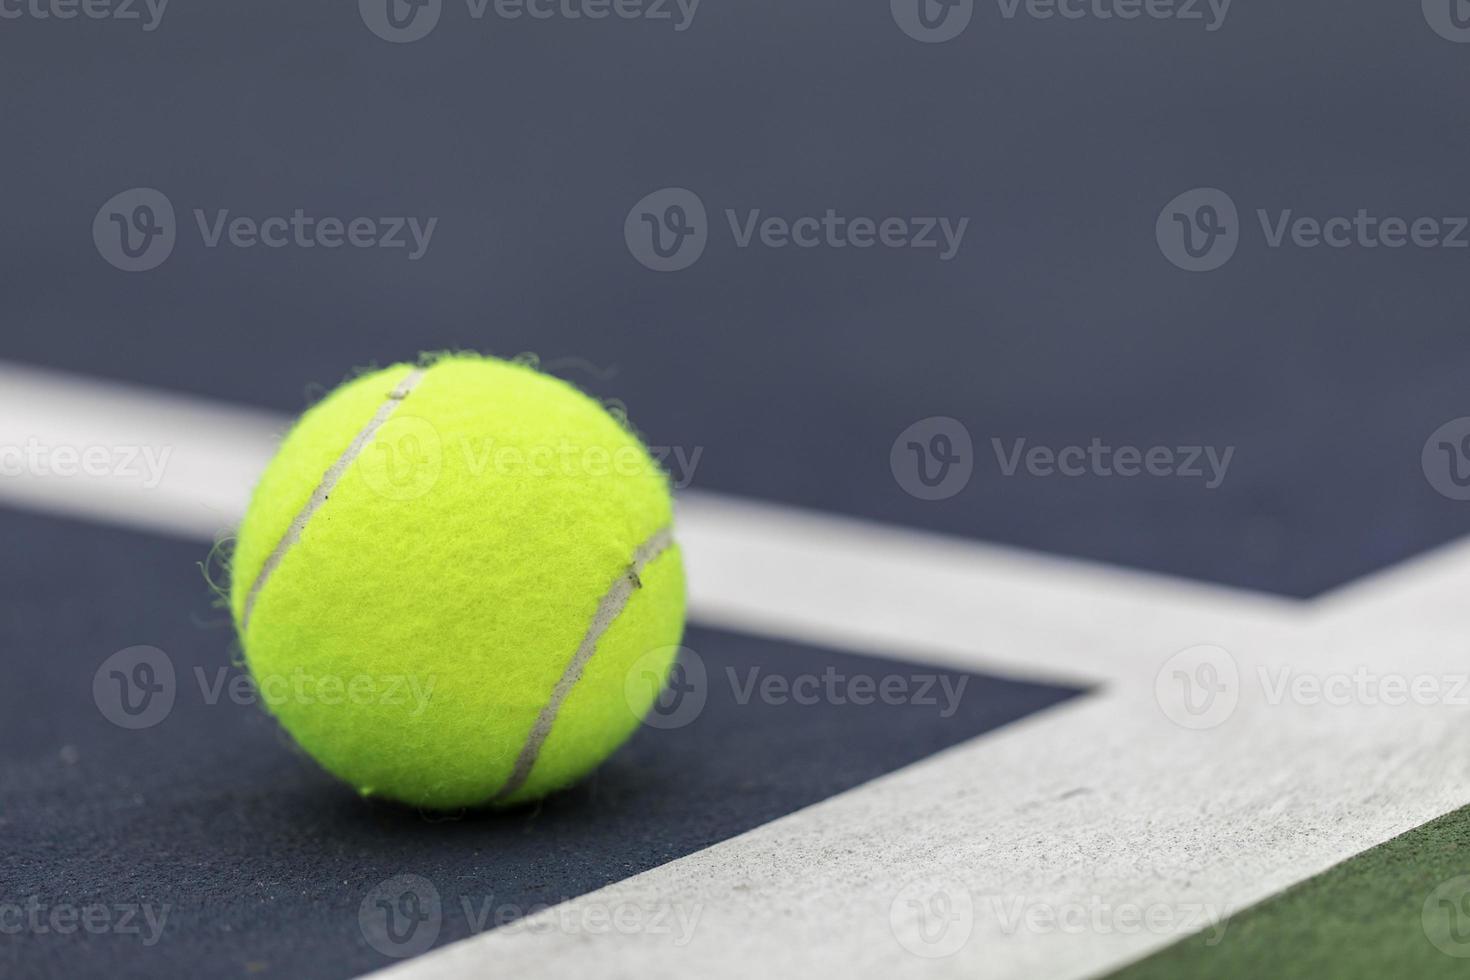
[(1173, 285), (521, 135)]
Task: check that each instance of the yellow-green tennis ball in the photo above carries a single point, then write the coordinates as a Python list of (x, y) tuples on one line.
[(445, 577)]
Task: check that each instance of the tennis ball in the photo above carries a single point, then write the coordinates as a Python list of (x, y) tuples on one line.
[(445, 575)]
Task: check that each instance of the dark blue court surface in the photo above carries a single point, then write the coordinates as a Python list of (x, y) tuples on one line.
[(1059, 319), (243, 852)]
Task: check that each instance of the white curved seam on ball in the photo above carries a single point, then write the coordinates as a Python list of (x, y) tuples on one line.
[(329, 482), (608, 610)]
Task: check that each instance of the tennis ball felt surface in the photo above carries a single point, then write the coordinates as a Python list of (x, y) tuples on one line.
[(456, 584)]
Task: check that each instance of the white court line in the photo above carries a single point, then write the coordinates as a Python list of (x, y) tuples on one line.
[(881, 590), (211, 453), (760, 568), (1099, 802), (1101, 805), (1090, 812)]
